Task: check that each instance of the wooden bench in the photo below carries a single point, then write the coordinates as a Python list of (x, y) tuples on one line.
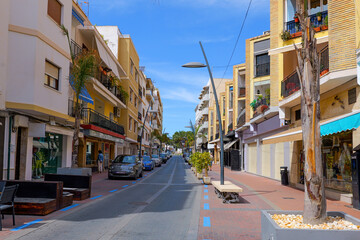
[(39, 197), (79, 185), (229, 192)]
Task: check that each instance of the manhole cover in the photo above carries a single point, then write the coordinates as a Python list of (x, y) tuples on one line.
[(288, 198), (138, 203)]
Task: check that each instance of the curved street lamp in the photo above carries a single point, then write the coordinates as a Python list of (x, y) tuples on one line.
[(201, 65)]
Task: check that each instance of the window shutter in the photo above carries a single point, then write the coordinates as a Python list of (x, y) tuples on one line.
[(54, 10)]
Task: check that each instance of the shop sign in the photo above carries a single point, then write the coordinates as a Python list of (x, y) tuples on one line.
[(92, 133), (37, 129)]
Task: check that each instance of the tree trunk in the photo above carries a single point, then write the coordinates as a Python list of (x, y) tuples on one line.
[(309, 74), (75, 154)]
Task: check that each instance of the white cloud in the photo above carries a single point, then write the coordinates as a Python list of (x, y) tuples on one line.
[(180, 94)]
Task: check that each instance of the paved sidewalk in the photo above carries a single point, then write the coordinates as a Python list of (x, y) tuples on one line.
[(242, 220), (101, 187)]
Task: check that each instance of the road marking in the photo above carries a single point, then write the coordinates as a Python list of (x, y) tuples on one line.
[(206, 186), (125, 186), (113, 190), (206, 197), (205, 190), (26, 225), (96, 197), (207, 222), (127, 218), (206, 206), (70, 207)]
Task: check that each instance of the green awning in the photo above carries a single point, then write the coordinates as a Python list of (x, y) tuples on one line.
[(344, 124)]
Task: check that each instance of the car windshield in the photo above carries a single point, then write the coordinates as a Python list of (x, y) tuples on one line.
[(146, 158), (124, 159), (155, 156)]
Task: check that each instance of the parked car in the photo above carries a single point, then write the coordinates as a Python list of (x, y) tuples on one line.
[(163, 157), (125, 166), (157, 160), (186, 157), (148, 164)]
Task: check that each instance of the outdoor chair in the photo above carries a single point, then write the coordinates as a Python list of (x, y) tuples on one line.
[(7, 201)]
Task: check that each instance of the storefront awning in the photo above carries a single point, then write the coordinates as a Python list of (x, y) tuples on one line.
[(345, 123), (340, 125), (228, 145), (84, 94)]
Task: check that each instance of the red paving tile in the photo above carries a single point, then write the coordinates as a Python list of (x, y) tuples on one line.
[(242, 221)]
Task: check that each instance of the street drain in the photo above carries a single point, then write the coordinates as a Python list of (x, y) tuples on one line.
[(139, 203), (288, 198)]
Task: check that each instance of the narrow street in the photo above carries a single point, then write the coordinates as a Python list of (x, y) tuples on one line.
[(165, 205)]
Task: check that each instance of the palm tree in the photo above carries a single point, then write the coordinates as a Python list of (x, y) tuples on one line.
[(83, 69)]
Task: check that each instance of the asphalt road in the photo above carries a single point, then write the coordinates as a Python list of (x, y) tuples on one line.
[(165, 205)]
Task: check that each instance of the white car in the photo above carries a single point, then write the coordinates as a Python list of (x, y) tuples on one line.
[(157, 160)]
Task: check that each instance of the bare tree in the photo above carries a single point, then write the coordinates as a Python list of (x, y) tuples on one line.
[(309, 74)]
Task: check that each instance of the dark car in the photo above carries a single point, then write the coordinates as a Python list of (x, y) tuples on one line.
[(148, 164), (125, 166), (163, 157)]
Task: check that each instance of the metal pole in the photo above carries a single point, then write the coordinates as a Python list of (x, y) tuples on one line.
[(142, 132), (219, 117)]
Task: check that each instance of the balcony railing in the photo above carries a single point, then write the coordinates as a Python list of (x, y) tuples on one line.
[(262, 69), (105, 80), (261, 105), (241, 119), (75, 48), (90, 116), (294, 27), (290, 85), (242, 92)]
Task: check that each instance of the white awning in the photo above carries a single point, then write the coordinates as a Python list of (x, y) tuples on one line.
[(107, 58), (228, 145)]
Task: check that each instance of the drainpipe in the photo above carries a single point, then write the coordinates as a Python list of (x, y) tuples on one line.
[(9, 147)]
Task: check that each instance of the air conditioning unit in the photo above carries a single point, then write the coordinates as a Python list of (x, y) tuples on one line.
[(117, 111)]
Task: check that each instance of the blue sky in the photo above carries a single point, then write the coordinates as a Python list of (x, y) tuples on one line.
[(166, 35)]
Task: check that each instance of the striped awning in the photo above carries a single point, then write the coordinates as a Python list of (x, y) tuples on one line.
[(84, 94), (340, 125)]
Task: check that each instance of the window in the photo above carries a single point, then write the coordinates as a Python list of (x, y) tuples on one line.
[(231, 98), (54, 10), (130, 123), (51, 75), (135, 126), (131, 95), (136, 75), (352, 96), (136, 101), (131, 67), (297, 115), (223, 106), (291, 9), (262, 65)]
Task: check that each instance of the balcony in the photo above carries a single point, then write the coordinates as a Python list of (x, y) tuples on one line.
[(242, 92), (90, 116), (105, 81), (241, 118), (291, 83), (75, 48), (262, 70), (260, 105), (294, 27)]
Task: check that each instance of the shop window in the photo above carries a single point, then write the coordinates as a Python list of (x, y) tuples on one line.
[(90, 154), (352, 96), (47, 154), (51, 75), (54, 10), (297, 115)]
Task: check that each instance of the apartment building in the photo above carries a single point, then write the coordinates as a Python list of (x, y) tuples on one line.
[(35, 128), (202, 118)]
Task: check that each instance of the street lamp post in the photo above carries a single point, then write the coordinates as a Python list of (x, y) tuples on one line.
[(143, 128), (200, 65)]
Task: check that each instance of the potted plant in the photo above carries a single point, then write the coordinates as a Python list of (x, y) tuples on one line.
[(325, 25), (253, 105), (318, 15), (206, 161), (296, 19), (285, 35)]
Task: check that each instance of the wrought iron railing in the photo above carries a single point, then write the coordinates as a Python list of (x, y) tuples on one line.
[(290, 84), (242, 92), (324, 60), (105, 80), (90, 116), (294, 27), (75, 48), (262, 69)]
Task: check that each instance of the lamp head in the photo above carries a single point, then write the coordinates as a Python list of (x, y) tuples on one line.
[(194, 65)]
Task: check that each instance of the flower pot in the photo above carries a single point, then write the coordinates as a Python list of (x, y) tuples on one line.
[(324, 72), (271, 230), (297, 34), (324, 28), (317, 29), (207, 180), (296, 19), (199, 175)]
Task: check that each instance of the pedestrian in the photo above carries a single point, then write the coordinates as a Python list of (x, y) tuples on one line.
[(100, 161)]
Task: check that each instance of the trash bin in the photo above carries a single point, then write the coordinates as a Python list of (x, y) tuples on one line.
[(284, 176)]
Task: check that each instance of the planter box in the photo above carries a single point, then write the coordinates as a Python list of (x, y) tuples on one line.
[(270, 229), (207, 180), (199, 175)]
